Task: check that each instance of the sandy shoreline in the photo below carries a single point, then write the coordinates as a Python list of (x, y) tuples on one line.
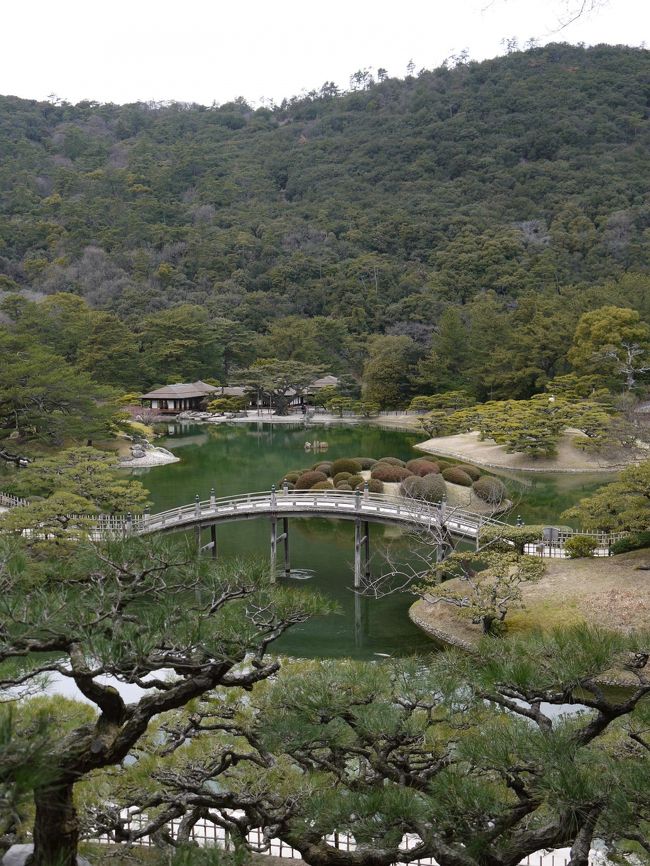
[(569, 458)]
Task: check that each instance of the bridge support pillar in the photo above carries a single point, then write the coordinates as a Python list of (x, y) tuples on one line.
[(213, 540), (361, 552), (197, 535), (276, 538)]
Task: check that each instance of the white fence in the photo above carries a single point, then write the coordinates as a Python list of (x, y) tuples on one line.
[(205, 834)]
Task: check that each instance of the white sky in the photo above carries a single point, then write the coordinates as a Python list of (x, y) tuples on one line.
[(213, 50)]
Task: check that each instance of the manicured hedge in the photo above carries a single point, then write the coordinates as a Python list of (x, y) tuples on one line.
[(341, 476), (430, 488), (393, 461), (635, 541), (365, 462), (455, 475), (322, 485), (343, 486), (579, 546), (308, 479), (472, 471), (374, 486), (345, 464), (422, 467), (490, 489), (389, 472), (325, 467), (291, 477), (353, 480)]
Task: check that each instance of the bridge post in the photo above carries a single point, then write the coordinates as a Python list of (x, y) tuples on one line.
[(274, 545), (357, 500), (479, 526), (361, 544), (129, 523), (367, 551), (213, 540), (274, 498), (197, 505), (366, 489), (213, 499), (287, 566)]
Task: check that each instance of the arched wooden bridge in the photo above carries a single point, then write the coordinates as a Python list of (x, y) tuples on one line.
[(362, 508), (437, 519)]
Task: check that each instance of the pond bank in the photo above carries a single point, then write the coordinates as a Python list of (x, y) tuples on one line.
[(610, 592), (469, 447)]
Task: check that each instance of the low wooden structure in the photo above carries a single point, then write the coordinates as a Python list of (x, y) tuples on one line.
[(184, 397)]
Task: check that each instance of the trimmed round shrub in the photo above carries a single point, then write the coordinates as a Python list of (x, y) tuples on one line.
[(490, 489), (579, 546), (325, 467), (433, 487), (422, 467), (454, 475), (341, 476), (430, 488), (393, 461), (472, 471), (374, 486), (308, 479), (345, 464), (412, 487), (390, 473), (353, 480), (344, 486), (365, 462), (291, 477), (323, 485)]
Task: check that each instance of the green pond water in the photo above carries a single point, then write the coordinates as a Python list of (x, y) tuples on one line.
[(248, 458)]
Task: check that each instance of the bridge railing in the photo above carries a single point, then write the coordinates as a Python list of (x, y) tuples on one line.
[(459, 521)]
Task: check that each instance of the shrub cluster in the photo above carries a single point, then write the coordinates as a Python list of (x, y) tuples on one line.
[(455, 475), (322, 485), (325, 467), (422, 467), (365, 462), (343, 486), (291, 477), (355, 480), (636, 541), (472, 471), (430, 488), (490, 489), (307, 480), (392, 461), (389, 472), (580, 545), (341, 476), (345, 464), (374, 486)]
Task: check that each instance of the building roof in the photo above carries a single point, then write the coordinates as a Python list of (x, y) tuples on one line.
[(180, 391), (325, 382)]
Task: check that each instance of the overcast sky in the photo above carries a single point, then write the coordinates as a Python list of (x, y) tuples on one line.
[(214, 50)]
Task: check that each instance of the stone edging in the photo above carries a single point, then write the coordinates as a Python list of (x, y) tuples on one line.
[(436, 633)]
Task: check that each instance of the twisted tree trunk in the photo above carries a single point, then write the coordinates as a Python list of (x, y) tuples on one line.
[(56, 826)]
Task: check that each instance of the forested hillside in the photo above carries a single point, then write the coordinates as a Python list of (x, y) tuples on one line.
[(473, 212)]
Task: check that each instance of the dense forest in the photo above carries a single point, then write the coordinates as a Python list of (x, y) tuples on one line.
[(459, 221)]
